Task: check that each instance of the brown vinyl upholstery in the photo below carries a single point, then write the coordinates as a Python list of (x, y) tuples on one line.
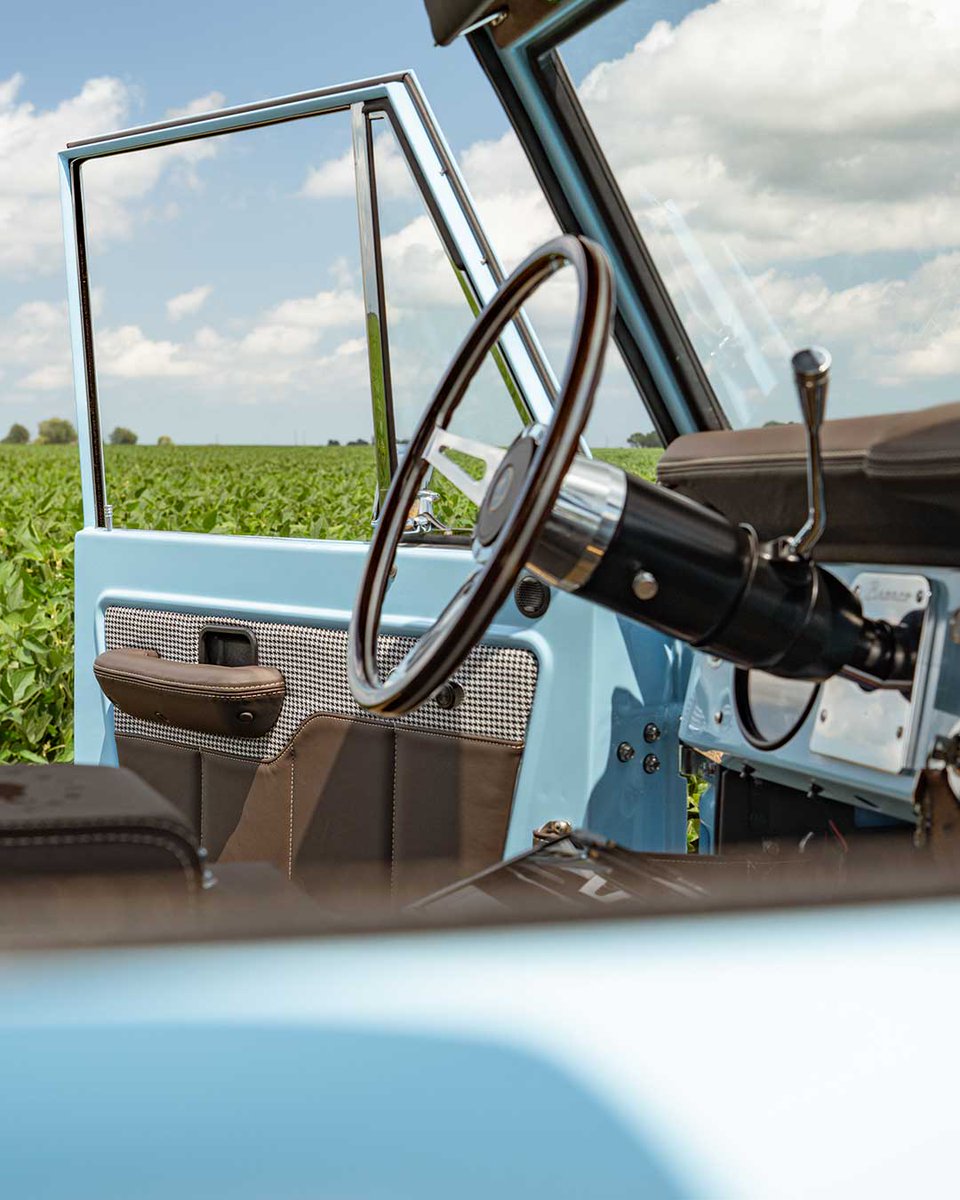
[(344, 792), (66, 820)]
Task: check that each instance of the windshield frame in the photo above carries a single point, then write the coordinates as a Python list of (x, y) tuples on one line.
[(540, 99)]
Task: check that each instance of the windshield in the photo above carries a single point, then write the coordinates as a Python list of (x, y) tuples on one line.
[(792, 168)]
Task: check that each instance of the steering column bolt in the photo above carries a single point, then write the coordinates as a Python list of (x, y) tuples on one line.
[(645, 585)]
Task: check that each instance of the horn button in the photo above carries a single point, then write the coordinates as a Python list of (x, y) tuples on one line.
[(505, 487)]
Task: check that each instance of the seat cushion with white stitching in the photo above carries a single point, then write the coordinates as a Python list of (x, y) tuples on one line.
[(66, 819)]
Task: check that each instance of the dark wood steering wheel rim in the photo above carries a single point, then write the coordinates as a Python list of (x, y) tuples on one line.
[(438, 653)]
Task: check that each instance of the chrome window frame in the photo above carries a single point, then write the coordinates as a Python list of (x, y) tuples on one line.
[(442, 189), (374, 299)]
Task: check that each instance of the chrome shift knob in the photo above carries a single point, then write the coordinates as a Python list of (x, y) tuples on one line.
[(811, 374)]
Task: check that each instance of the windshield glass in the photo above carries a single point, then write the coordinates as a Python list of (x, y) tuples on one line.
[(792, 168)]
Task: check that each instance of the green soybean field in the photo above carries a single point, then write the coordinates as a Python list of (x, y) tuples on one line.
[(280, 491)]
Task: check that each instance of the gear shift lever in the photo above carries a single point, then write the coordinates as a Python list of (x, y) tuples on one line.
[(811, 373)]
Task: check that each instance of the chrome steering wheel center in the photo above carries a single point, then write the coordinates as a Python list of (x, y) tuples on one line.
[(515, 494)]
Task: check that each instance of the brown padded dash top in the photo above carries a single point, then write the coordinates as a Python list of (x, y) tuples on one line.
[(892, 483)]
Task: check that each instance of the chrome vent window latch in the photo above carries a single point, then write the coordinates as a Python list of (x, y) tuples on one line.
[(422, 517)]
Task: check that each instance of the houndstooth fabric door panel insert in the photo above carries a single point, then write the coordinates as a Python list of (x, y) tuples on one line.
[(498, 681)]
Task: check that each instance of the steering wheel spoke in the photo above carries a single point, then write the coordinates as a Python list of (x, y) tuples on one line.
[(443, 440)]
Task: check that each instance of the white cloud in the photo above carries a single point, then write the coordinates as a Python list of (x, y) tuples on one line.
[(289, 347), (417, 271), (514, 210), (295, 326), (208, 102), (186, 304), (895, 331), (30, 233), (333, 178), (127, 353), (853, 154), (55, 377), (34, 347), (116, 189), (297, 344), (336, 177)]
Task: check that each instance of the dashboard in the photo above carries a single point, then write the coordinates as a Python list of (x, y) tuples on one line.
[(842, 741)]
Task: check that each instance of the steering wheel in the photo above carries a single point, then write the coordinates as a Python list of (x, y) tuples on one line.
[(515, 495)]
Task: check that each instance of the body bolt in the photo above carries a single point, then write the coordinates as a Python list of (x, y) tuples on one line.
[(651, 732), (718, 717), (651, 764), (625, 752)]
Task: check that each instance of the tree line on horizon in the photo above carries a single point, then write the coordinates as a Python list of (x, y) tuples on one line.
[(57, 431)]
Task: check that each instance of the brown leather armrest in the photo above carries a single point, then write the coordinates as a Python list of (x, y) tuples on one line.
[(230, 701)]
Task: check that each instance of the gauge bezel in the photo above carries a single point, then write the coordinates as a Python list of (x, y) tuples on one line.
[(745, 718)]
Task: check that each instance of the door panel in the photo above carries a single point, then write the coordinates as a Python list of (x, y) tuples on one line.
[(329, 782), (584, 658)]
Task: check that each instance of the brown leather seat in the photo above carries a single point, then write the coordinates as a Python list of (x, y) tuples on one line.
[(78, 820)]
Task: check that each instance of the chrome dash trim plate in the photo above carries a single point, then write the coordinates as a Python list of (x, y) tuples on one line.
[(876, 729)]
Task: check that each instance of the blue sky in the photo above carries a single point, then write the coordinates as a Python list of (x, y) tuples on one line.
[(177, 50)]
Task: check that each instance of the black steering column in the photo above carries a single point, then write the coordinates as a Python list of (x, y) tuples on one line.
[(687, 571)]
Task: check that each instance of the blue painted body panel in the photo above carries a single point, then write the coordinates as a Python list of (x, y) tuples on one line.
[(600, 679), (548, 1061)]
